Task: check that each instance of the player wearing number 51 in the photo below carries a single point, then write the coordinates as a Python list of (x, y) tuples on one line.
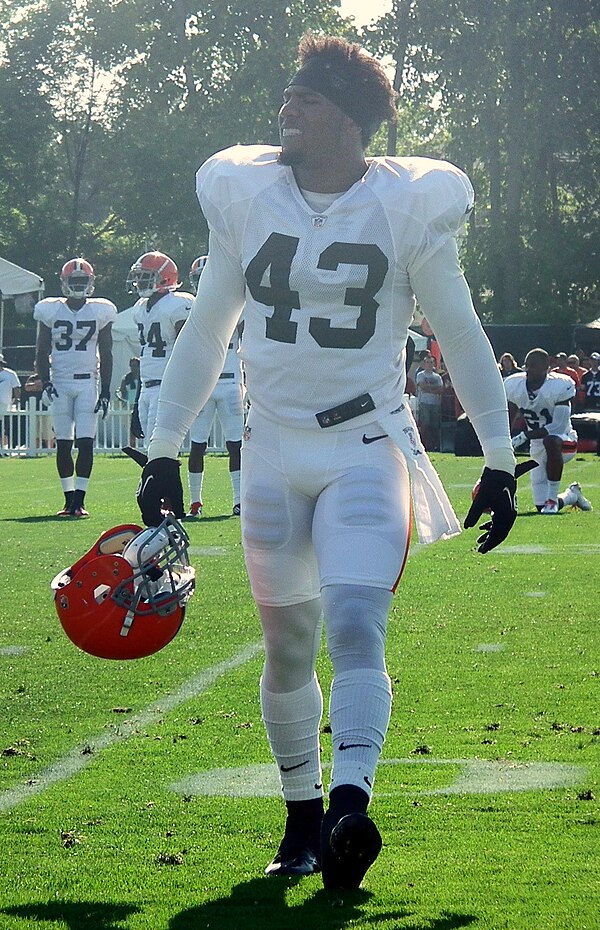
[(73, 360), (325, 250)]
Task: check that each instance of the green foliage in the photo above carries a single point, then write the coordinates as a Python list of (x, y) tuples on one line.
[(108, 108), (505, 78)]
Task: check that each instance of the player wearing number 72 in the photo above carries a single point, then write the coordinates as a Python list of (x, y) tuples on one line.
[(325, 250)]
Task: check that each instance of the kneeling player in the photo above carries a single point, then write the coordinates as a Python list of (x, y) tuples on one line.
[(542, 399)]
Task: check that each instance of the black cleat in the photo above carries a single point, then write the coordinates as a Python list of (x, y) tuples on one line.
[(349, 850), (236, 510), (298, 862)]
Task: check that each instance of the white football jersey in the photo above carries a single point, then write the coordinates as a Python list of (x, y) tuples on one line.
[(233, 362), (74, 346), (537, 407), (157, 332), (328, 295)]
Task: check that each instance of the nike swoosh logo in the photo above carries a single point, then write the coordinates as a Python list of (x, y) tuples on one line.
[(344, 746), (290, 768), (145, 485), (368, 439), (510, 497)]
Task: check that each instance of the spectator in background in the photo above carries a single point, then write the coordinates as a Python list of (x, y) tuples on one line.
[(10, 390), (130, 382), (589, 392), (563, 368), (507, 365), (128, 393), (430, 388), (573, 361)]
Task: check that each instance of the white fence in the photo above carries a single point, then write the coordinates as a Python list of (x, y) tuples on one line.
[(28, 433)]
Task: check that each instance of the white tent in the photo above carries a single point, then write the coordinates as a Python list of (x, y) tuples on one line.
[(15, 281), (126, 344)]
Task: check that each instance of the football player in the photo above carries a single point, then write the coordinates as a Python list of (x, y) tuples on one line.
[(539, 402), (324, 250), (73, 358), (159, 313), (226, 402)]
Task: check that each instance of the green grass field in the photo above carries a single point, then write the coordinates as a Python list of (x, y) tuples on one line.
[(140, 796)]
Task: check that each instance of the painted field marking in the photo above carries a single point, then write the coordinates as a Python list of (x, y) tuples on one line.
[(208, 550), (535, 594), (80, 757), (476, 777), (489, 647), (12, 650), (535, 549)]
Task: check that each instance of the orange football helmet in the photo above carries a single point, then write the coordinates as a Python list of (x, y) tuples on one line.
[(126, 597), (196, 270), (151, 273), (77, 278)]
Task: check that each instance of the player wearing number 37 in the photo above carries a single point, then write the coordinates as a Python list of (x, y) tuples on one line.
[(325, 250), (73, 361)]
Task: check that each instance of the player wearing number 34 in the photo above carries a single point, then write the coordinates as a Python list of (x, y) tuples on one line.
[(325, 250)]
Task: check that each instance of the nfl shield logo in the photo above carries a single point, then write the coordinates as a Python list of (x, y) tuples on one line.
[(318, 221), (246, 433)]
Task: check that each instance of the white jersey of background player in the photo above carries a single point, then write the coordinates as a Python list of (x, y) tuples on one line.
[(159, 315), (74, 354), (542, 399), (327, 282), (227, 403)]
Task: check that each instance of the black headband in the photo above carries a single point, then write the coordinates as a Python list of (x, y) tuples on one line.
[(344, 90)]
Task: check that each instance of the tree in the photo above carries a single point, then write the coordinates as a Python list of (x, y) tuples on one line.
[(503, 82)]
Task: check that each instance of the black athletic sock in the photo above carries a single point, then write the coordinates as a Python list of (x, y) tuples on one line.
[(345, 799), (78, 498), (69, 499), (303, 825)]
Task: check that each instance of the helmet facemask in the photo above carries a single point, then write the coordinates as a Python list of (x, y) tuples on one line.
[(162, 576)]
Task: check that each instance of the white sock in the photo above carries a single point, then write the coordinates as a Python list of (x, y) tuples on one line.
[(81, 484), (68, 484), (292, 724), (195, 479), (235, 485), (553, 490), (359, 713)]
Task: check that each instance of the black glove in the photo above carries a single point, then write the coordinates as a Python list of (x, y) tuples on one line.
[(102, 403), (135, 426), (49, 392), (160, 489), (495, 494)]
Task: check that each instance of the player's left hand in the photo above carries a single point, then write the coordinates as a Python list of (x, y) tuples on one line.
[(102, 404), (160, 490), (496, 494)]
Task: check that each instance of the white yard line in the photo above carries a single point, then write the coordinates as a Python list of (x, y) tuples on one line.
[(476, 776), (80, 757)]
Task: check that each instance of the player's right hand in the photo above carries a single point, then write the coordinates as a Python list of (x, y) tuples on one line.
[(160, 490), (135, 425), (49, 392)]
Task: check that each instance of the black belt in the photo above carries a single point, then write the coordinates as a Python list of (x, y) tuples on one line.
[(227, 374), (347, 411), (153, 383), (82, 377)]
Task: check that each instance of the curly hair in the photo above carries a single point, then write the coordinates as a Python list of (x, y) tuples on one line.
[(370, 98)]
